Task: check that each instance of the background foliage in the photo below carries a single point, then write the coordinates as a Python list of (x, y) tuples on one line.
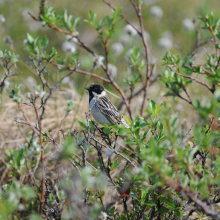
[(56, 162)]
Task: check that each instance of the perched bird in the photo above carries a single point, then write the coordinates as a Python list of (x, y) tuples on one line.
[(103, 111)]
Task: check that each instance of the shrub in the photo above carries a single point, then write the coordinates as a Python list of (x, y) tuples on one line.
[(156, 169)]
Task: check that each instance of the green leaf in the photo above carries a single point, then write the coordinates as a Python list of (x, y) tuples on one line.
[(150, 203), (162, 210), (116, 14), (92, 18), (65, 16), (122, 131), (134, 195), (179, 213), (114, 164), (11, 174), (171, 206), (154, 109), (151, 109), (69, 105), (144, 192), (44, 42), (30, 39), (202, 18), (68, 149), (82, 123), (160, 128), (130, 142)]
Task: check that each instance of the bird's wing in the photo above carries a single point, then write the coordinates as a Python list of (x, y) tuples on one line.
[(110, 111)]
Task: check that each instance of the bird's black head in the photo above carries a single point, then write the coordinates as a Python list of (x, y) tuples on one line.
[(95, 89)]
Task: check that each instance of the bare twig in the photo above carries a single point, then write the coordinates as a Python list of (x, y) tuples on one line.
[(178, 95), (28, 121), (82, 72), (33, 182), (42, 155), (200, 44), (8, 73), (190, 100), (113, 151), (147, 54)]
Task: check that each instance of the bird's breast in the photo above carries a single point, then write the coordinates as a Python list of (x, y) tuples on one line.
[(97, 115)]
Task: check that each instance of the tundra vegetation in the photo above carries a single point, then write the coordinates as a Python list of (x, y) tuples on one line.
[(57, 163)]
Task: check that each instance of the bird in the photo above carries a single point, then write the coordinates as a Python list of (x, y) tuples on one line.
[(102, 109)]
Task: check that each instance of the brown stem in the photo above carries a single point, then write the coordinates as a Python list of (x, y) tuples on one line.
[(120, 91), (189, 194), (27, 119), (189, 77), (81, 72), (200, 44), (106, 54), (68, 33), (33, 183), (147, 55), (132, 89), (190, 100), (141, 33), (178, 95), (42, 156), (122, 16), (213, 34), (141, 77), (55, 131)]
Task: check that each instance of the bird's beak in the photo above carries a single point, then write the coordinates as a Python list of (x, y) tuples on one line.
[(87, 88)]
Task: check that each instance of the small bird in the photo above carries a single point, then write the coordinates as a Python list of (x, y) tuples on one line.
[(102, 109)]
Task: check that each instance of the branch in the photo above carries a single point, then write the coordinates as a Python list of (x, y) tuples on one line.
[(190, 100), (213, 34), (42, 155), (122, 16), (178, 95), (121, 103), (189, 194), (27, 119), (200, 44), (189, 77), (147, 54), (112, 150), (82, 72), (33, 183)]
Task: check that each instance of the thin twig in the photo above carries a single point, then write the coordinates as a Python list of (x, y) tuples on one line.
[(214, 35), (42, 155), (122, 16), (189, 77), (82, 72), (147, 54), (113, 151)]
